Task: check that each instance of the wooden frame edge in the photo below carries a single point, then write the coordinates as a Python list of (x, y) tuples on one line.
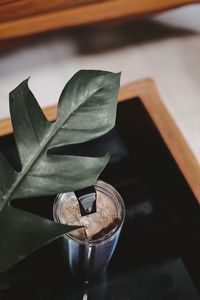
[(146, 90)]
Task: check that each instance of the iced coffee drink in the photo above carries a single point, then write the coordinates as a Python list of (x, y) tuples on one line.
[(96, 225), (89, 249)]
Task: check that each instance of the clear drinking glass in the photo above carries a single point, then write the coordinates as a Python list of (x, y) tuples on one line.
[(89, 257)]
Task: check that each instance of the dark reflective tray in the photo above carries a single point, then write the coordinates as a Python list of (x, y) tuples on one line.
[(158, 253)]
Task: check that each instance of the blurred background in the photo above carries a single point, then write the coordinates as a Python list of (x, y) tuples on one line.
[(164, 47)]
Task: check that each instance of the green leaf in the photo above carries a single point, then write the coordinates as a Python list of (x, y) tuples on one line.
[(86, 110), (82, 120), (74, 173), (7, 177), (29, 123), (24, 232)]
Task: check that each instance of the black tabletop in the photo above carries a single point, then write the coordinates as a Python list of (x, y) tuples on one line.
[(157, 256)]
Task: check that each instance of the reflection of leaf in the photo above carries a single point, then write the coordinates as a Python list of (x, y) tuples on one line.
[(86, 110)]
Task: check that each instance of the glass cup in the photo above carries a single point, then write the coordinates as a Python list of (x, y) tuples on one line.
[(87, 257)]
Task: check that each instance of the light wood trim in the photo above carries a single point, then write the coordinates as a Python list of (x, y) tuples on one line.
[(85, 14), (147, 92)]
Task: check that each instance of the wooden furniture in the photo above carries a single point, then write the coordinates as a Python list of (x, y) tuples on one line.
[(25, 17), (147, 92), (162, 218)]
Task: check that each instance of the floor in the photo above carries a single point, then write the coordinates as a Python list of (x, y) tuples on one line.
[(165, 47)]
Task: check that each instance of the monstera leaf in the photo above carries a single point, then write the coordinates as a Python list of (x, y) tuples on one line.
[(86, 110)]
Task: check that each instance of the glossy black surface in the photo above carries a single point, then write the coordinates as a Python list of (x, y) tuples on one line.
[(158, 253)]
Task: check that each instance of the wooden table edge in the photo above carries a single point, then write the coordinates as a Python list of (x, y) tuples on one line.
[(85, 14), (147, 92)]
